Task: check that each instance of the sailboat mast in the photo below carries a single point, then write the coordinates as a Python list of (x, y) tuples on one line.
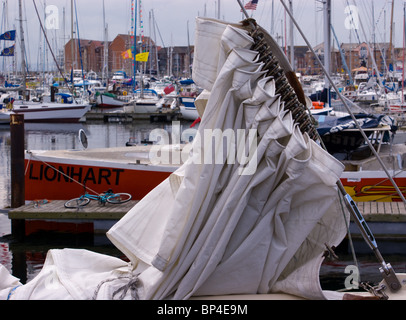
[(292, 46), (403, 58), (71, 34), (327, 42), (22, 45), (391, 34), (105, 49)]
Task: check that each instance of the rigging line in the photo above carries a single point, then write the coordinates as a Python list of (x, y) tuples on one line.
[(345, 104), (56, 62), (60, 172), (352, 23)]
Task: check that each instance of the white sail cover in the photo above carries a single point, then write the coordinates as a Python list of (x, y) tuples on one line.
[(249, 212)]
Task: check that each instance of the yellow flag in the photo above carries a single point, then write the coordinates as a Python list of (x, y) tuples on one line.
[(143, 57), (127, 54)]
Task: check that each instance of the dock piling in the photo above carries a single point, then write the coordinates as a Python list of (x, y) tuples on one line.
[(17, 170)]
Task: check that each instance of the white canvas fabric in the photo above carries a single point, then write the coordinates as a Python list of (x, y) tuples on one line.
[(229, 233), (253, 226)]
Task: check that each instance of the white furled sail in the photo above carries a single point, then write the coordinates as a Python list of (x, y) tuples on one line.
[(225, 231), (249, 212)]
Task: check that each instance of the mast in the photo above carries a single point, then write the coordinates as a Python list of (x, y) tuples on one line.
[(105, 49), (188, 52), (71, 34), (292, 47), (327, 44), (403, 58), (23, 65), (391, 35), (155, 43)]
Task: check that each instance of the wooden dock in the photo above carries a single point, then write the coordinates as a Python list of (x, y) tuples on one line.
[(385, 219), (55, 209), (128, 117), (53, 216), (383, 211)]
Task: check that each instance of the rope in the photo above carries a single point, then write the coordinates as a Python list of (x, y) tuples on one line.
[(60, 172), (131, 285)]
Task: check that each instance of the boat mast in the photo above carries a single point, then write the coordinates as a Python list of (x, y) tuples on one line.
[(403, 58), (71, 35), (105, 50), (22, 45), (391, 34), (327, 45), (188, 52), (292, 46)]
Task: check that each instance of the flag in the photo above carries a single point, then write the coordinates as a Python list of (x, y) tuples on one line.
[(143, 57), (252, 5), (9, 35), (127, 54), (169, 89), (7, 52)]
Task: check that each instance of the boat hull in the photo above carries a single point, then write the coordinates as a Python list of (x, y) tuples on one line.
[(104, 101), (51, 112), (44, 182), (188, 108), (128, 169)]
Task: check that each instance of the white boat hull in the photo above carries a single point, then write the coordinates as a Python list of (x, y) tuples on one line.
[(188, 108), (108, 102), (51, 112)]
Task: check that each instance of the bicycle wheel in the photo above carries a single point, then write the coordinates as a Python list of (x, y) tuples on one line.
[(76, 203), (120, 197)]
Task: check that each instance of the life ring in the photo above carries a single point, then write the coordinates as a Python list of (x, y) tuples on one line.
[(318, 105), (124, 93)]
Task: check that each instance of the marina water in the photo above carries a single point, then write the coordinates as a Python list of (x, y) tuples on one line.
[(25, 259)]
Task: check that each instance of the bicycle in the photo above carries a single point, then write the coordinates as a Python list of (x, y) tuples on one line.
[(108, 196)]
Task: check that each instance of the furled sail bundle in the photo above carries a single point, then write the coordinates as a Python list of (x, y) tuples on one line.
[(251, 209)]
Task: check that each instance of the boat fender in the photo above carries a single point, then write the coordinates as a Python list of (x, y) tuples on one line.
[(317, 105)]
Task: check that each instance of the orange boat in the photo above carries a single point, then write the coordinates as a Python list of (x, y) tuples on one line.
[(59, 174)]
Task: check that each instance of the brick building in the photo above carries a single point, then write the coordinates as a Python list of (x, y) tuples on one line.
[(176, 61), (356, 55), (91, 52)]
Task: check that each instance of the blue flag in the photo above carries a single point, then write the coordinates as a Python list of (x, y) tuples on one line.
[(9, 35), (7, 52)]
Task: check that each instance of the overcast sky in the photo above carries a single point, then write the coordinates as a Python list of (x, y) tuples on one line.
[(174, 16)]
